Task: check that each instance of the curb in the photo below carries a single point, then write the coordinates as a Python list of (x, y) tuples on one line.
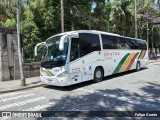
[(21, 88), (154, 61)]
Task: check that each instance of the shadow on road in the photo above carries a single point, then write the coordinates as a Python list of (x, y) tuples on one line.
[(70, 88), (108, 100)]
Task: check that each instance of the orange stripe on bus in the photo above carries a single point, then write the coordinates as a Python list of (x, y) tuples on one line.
[(126, 63), (141, 55), (132, 61), (144, 54)]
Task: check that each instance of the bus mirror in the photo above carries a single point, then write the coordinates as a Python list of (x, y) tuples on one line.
[(61, 44), (35, 49)]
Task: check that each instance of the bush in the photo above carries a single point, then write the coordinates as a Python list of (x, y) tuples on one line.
[(29, 60)]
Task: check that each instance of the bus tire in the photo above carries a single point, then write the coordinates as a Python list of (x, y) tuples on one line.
[(138, 66), (98, 74)]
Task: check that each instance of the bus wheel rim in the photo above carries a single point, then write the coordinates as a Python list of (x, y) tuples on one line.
[(98, 74), (138, 66)]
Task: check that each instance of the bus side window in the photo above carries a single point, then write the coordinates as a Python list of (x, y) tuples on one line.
[(134, 44), (75, 49), (142, 45), (108, 42), (85, 44), (88, 43), (124, 43)]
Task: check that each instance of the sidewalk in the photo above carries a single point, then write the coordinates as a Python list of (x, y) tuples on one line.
[(32, 82), (14, 85), (152, 61)]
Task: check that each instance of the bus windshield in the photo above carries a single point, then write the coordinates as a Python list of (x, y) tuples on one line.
[(52, 56)]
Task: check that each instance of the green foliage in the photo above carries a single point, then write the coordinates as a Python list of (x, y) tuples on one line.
[(29, 60), (10, 23), (41, 19)]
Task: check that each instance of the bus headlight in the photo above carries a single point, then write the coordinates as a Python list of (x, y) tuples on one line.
[(63, 74)]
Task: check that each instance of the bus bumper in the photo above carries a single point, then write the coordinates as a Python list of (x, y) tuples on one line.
[(54, 81), (49, 80)]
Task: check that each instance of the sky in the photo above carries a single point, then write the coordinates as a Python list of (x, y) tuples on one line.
[(155, 3)]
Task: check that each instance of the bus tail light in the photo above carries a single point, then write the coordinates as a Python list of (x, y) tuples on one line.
[(63, 74)]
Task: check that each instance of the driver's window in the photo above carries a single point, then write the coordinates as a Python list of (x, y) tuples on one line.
[(75, 49)]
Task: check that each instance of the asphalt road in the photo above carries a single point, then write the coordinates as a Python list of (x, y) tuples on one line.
[(130, 91)]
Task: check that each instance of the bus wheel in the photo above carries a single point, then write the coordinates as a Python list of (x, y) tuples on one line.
[(138, 66), (98, 74)]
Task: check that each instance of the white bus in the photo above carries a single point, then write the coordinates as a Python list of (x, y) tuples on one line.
[(77, 56)]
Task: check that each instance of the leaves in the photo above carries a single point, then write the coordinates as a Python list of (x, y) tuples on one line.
[(41, 19)]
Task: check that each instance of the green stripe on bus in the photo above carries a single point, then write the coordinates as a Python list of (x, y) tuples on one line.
[(121, 63), (51, 73), (140, 54)]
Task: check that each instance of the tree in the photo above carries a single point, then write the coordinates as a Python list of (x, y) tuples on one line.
[(40, 19), (8, 13), (10, 23)]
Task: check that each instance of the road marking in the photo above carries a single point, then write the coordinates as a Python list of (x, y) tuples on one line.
[(16, 97), (125, 99), (12, 94), (39, 107), (21, 103)]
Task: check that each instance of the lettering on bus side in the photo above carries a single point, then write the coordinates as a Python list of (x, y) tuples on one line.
[(108, 55), (56, 70), (75, 69)]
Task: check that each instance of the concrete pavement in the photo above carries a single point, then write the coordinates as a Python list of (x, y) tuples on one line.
[(14, 85), (152, 61), (32, 82)]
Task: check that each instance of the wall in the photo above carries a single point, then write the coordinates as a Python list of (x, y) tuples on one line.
[(31, 69), (9, 61)]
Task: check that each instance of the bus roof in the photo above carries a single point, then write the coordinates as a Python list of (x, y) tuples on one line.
[(91, 31), (97, 32), (84, 31), (132, 38)]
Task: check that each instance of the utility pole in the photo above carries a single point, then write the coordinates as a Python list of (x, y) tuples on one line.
[(147, 36), (89, 25), (135, 18), (90, 20), (23, 83), (152, 37), (62, 17), (148, 41)]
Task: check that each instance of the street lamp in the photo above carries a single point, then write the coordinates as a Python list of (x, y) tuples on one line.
[(148, 32)]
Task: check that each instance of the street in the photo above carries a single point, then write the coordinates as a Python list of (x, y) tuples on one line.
[(130, 91)]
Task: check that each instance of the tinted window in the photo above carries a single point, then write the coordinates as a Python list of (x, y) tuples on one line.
[(122, 43), (75, 49), (141, 44), (85, 44), (136, 44), (115, 42), (88, 43), (132, 43), (108, 42)]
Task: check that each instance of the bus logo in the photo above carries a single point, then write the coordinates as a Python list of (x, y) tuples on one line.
[(111, 54)]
